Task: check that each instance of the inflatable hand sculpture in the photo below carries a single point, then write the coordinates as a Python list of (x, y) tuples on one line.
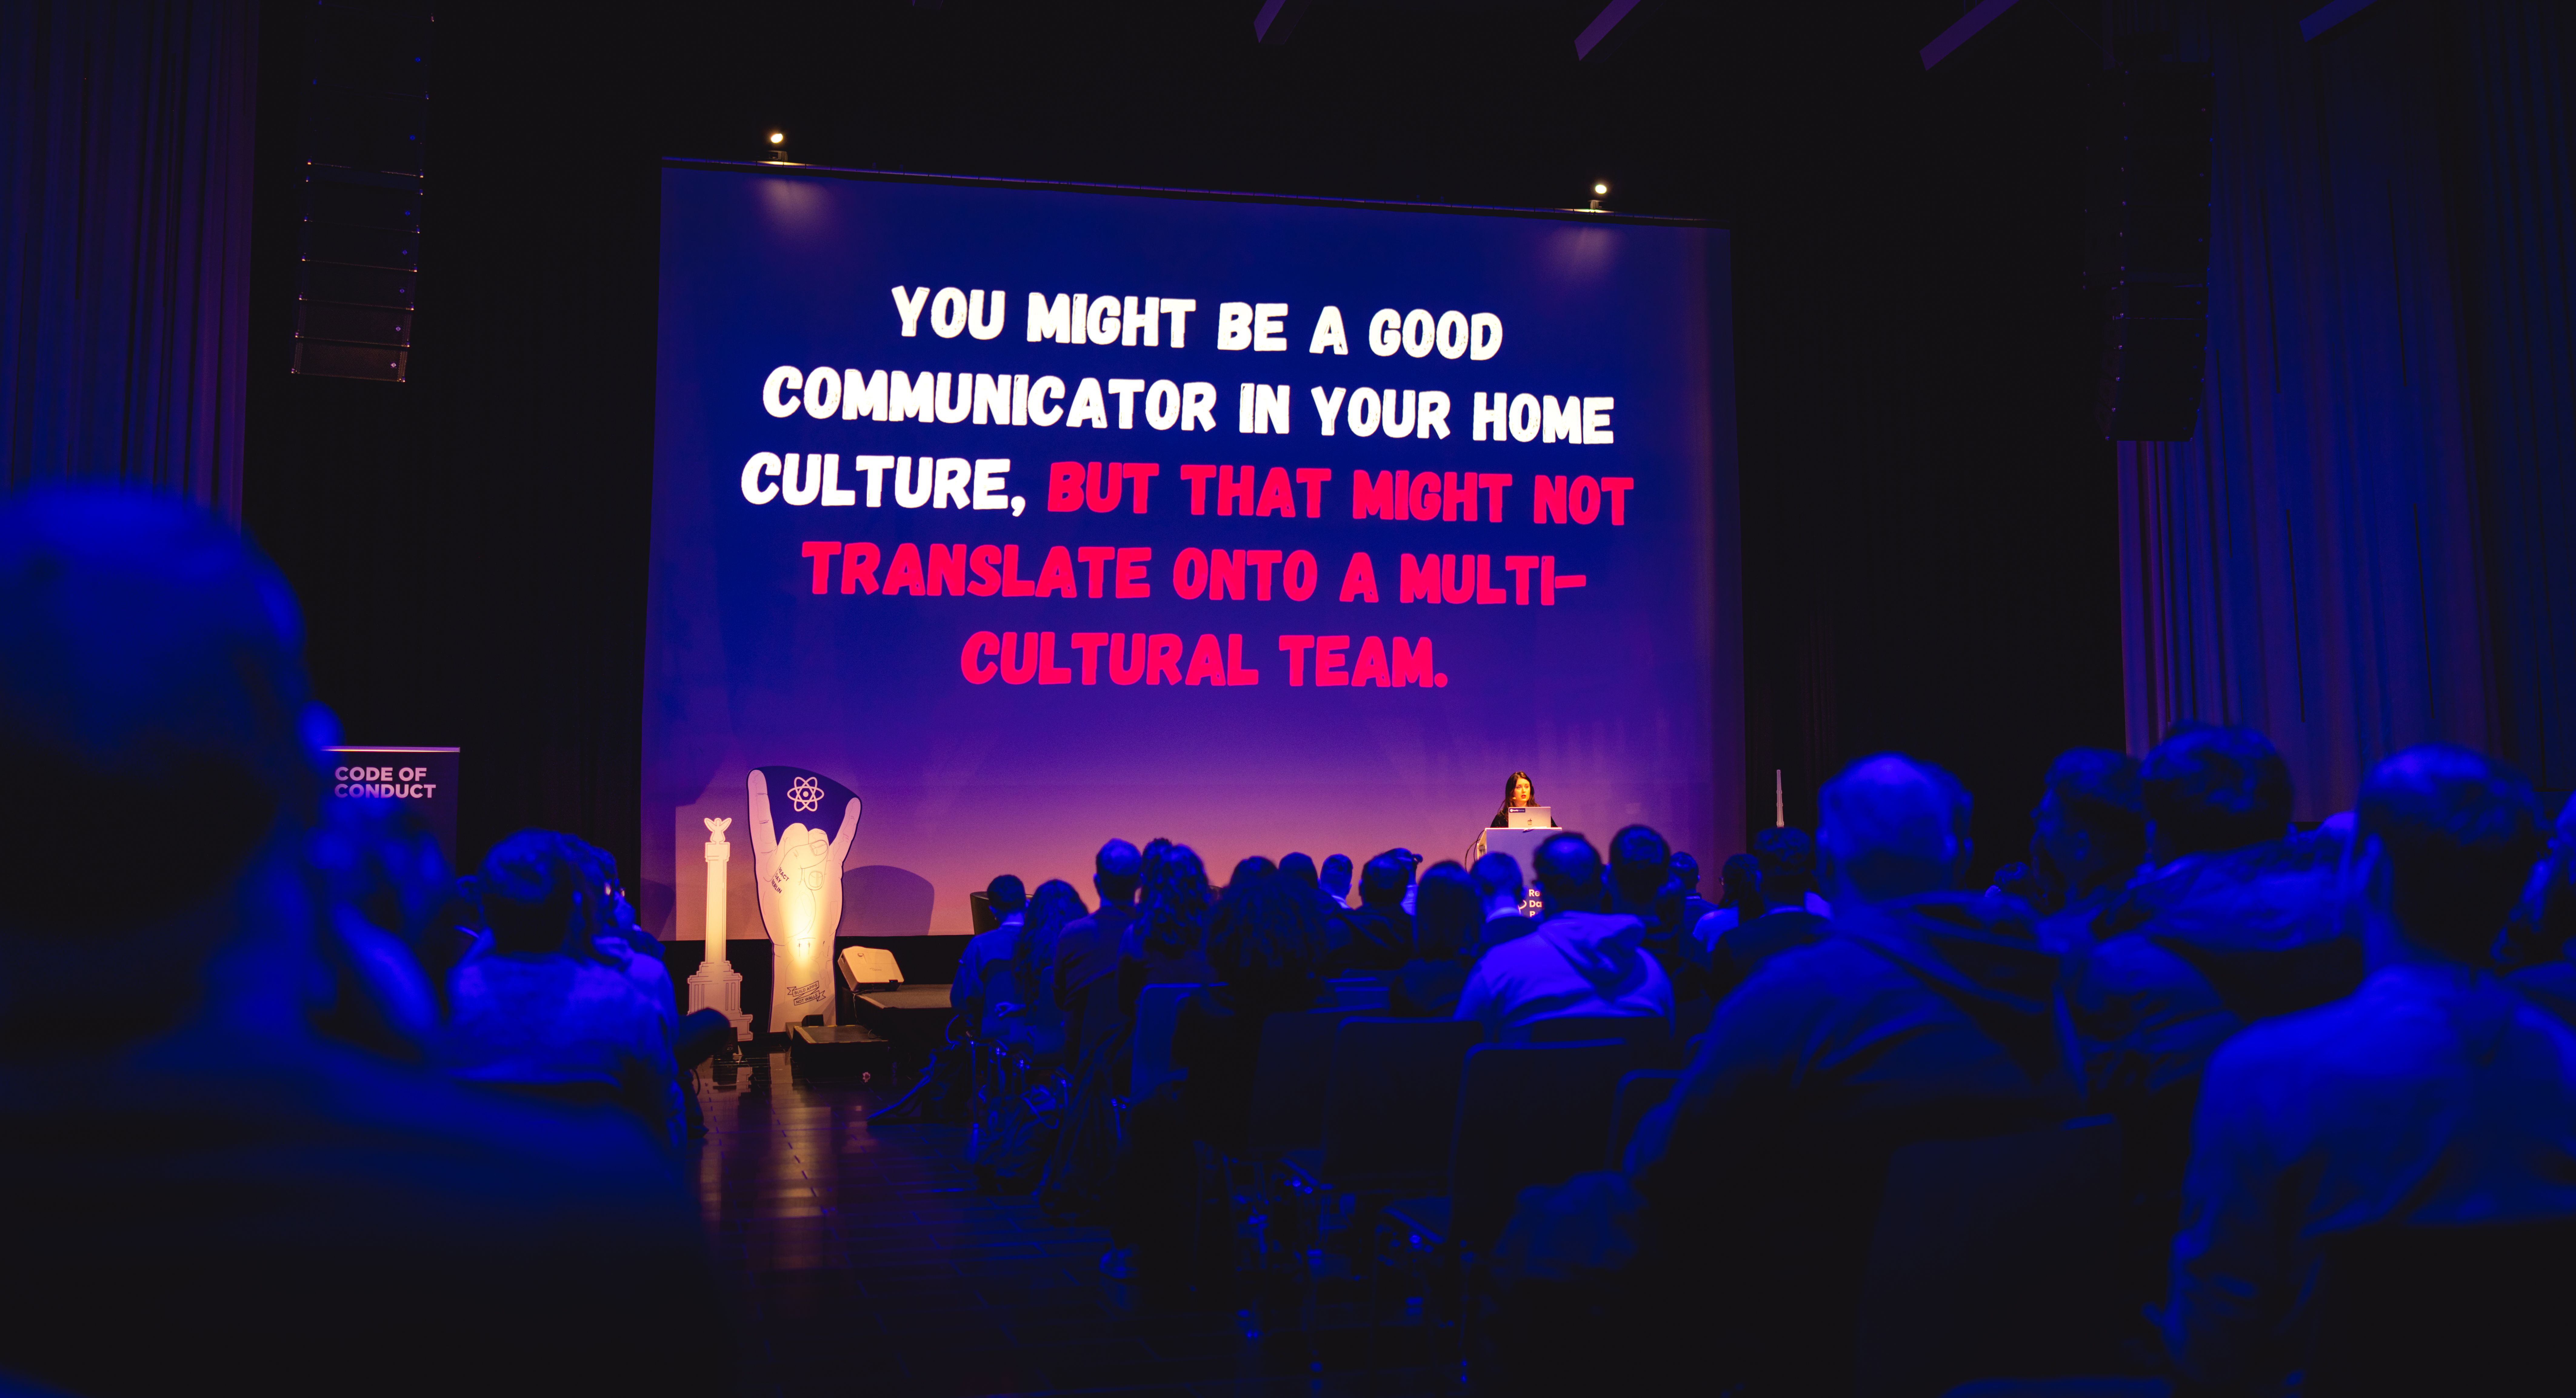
[(798, 871)]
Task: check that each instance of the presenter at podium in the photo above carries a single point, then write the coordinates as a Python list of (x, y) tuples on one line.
[(1519, 811)]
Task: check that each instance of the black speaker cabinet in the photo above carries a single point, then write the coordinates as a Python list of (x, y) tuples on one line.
[(2146, 245)]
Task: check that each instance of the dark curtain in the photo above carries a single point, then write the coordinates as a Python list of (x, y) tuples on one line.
[(2355, 553), (125, 226)]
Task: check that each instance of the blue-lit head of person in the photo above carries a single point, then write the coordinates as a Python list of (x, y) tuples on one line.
[(2089, 831), (156, 736), (1741, 875), (1498, 879), (1784, 859), (1265, 940), (539, 896), (1891, 828), (2448, 836), (1446, 912), (1383, 882), (1685, 872), (1006, 895), (1569, 875), (1114, 872), (1172, 908), (1336, 876), (1300, 867), (2209, 789), (1640, 864)]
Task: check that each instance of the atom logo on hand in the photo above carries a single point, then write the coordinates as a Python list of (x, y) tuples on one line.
[(805, 794)]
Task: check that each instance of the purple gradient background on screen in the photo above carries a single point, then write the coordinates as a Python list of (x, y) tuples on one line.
[(1623, 701)]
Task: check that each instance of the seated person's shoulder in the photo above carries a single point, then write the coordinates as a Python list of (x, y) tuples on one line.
[(2552, 983)]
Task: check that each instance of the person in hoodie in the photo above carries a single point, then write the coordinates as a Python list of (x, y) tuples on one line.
[(1742, 1221), (2228, 888), (2440, 1092), (1578, 961)]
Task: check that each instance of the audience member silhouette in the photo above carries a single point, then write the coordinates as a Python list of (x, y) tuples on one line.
[(1086, 952), (2255, 910), (1736, 877), (1336, 879), (1685, 884), (1640, 885), (1008, 898), (2145, 1019), (2552, 937), (1019, 999), (1775, 910), (1301, 867), (384, 882), (1445, 918), (1377, 935), (1500, 890), (1579, 960), (2089, 831), (1927, 1012), (544, 1010), (192, 1161), (1167, 942), (1264, 946), (2439, 1093), (623, 940), (1784, 871)]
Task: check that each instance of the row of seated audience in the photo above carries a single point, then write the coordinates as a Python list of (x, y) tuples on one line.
[(250, 1084), (271, 1121), (2299, 1032)]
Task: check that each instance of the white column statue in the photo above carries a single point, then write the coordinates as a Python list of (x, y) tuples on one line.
[(717, 985)]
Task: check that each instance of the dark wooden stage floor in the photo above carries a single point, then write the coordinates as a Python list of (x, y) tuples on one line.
[(865, 1261)]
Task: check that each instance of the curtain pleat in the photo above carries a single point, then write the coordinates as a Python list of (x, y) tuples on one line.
[(2351, 553), (125, 243)]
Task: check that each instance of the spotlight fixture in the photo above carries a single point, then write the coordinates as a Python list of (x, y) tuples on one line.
[(777, 144), (1600, 191)]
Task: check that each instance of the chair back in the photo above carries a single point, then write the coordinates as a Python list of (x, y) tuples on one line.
[(1363, 994), (1288, 1082), (1528, 1114), (1158, 1010), (1639, 1093), (1650, 1035), (2463, 1308), (1994, 1257), (1392, 1099)]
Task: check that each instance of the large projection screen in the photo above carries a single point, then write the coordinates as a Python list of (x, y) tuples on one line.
[(1036, 515)]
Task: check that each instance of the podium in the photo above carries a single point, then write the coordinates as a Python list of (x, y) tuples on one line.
[(1521, 845)]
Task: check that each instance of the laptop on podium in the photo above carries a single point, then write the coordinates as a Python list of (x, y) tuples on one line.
[(1529, 818)]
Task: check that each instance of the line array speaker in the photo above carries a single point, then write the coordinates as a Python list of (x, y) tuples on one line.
[(364, 142), (2146, 246)]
